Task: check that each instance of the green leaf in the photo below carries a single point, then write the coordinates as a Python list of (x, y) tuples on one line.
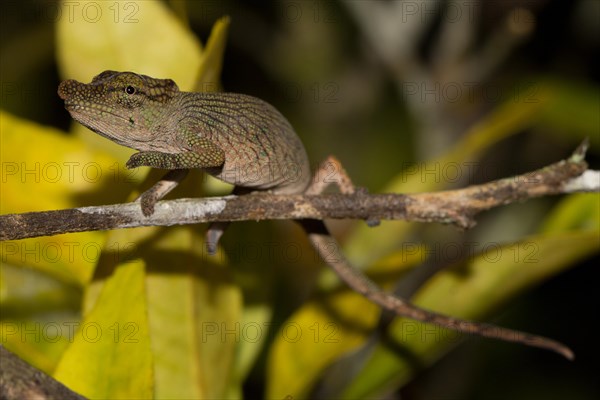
[(470, 291), (367, 245), (579, 211), (325, 329), (110, 356), (572, 111)]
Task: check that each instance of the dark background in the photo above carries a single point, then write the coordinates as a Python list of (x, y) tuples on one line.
[(314, 62)]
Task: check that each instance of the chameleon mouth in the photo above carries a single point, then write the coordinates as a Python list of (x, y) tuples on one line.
[(90, 117), (82, 112), (70, 106)]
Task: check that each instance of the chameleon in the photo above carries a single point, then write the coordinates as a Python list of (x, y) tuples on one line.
[(246, 142)]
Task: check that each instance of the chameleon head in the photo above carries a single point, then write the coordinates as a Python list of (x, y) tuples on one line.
[(125, 107)]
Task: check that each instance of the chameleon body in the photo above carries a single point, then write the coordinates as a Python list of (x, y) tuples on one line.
[(243, 141), (238, 139)]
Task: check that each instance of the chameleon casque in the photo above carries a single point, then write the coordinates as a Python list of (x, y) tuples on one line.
[(238, 139)]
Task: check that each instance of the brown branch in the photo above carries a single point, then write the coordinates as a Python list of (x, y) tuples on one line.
[(19, 380), (456, 207)]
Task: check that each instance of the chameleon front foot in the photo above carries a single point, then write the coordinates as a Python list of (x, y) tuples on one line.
[(150, 197), (148, 202)]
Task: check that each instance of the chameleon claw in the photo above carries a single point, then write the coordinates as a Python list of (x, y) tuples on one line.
[(134, 161), (148, 202)]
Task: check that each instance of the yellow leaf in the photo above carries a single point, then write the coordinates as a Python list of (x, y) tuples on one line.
[(470, 291), (193, 307), (325, 329), (35, 179), (139, 36), (194, 318), (50, 174), (110, 356), (313, 338), (40, 344), (209, 74)]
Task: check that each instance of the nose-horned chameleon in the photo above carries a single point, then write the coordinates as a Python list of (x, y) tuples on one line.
[(227, 135)]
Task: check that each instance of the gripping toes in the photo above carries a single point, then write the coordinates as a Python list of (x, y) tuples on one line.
[(148, 201), (134, 161)]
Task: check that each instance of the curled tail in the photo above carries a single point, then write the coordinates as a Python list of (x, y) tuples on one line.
[(323, 243)]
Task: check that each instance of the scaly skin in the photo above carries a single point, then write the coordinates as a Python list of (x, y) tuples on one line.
[(243, 141), (236, 138)]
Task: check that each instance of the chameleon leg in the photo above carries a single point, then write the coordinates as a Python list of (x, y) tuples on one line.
[(160, 189), (216, 229), (330, 172), (201, 153), (213, 235)]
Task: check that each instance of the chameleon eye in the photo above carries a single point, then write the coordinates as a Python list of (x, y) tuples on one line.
[(130, 90)]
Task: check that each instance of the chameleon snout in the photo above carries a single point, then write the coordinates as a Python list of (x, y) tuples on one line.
[(67, 89)]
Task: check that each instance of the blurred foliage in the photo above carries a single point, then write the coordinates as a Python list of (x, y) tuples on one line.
[(146, 313)]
